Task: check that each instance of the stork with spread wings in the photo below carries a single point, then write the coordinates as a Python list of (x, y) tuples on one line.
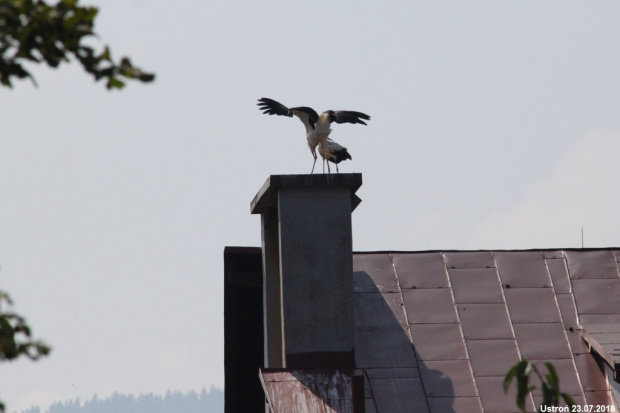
[(317, 127)]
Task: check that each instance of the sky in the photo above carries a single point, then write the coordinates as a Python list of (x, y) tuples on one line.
[(494, 126)]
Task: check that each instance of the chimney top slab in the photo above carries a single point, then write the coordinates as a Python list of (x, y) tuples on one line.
[(267, 195)]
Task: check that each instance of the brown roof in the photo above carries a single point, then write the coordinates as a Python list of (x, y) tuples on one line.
[(471, 315)]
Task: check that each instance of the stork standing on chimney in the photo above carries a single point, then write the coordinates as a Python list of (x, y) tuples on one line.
[(317, 126), (332, 151)]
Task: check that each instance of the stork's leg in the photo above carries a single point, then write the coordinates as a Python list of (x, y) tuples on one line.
[(337, 171), (312, 171), (329, 171), (324, 165)]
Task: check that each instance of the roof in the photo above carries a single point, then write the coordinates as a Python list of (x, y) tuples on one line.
[(316, 391), (471, 315)]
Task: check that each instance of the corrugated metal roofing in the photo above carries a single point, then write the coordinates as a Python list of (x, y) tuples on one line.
[(437, 331)]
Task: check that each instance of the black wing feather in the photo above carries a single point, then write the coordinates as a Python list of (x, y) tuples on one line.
[(347, 116), (271, 107)]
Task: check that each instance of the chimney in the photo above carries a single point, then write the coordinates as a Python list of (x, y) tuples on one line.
[(308, 269)]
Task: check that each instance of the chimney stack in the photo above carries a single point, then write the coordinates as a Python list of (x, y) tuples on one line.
[(308, 269)]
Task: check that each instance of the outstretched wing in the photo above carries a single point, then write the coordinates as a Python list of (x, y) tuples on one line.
[(271, 107), (347, 116), (307, 115)]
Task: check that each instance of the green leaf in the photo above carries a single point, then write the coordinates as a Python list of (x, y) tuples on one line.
[(521, 372), (568, 399), (114, 83)]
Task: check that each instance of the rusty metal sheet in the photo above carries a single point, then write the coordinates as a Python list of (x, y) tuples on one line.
[(434, 305), (425, 270), (381, 332), (522, 269), (300, 391), (469, 259), (592, 264), (476, 285), (532, 305), (374, 272), (286, 393)]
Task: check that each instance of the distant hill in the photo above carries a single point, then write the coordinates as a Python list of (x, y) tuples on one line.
[(211, 401)]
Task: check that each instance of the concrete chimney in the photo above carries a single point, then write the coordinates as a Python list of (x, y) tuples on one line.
[(308, 269)]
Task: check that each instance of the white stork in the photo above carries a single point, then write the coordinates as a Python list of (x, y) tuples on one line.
[(332, 151), (317, 126)]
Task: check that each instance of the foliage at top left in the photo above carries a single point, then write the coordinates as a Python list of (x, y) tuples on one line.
[(34, 31)]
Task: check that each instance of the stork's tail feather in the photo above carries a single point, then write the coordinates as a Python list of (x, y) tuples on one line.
[(340, 155)]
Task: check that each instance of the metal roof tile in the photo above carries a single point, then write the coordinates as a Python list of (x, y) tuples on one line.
[(381, 332), (521, 269), (542, 341), (370, 406), (559, 275), (429, 305), (469, 259), (532, 305), (592, 264), (425, 270), (492, 357), (566, 302), (539, 310), (579, 401), (552, 254), (404, 395), (448, 378), (495, 400), (597, 296), (567, 373), (455, 404), (393, 373), (438, 341), (599, 318), (604, 339), (577, 345), (599, 398), (476, 285), (485, 321), (379, 269)]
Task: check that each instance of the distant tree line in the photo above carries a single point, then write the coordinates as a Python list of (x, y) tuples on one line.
[(211, 401)]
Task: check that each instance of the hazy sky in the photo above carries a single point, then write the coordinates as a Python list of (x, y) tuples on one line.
[(494, 125)]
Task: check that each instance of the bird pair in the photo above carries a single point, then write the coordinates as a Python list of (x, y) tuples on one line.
[(317, 128)]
